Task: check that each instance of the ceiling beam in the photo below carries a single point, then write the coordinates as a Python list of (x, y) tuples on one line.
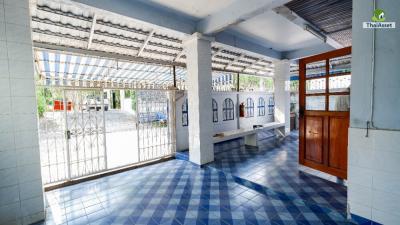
[(91, 31), (235, 13), (145, 42), (305, 52)]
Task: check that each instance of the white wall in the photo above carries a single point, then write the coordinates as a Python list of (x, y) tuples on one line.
[(256, 120), (374, 161), (221, 126), (21, 193)]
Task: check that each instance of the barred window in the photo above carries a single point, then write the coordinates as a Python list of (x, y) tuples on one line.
[(249, 107), (271, 105), (185, 115), (215, 110), (228, 110), (261, 107)]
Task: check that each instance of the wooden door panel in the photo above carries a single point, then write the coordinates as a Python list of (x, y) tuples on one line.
[(323, 131), (338, 133), (314, 138)]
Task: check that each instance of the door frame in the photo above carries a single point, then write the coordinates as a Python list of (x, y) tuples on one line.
[(302, 97)]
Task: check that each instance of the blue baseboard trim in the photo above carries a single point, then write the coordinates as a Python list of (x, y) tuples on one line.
[(363, 221)]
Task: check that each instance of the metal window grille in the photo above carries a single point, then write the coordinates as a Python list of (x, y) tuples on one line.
[(261, 107), (271, 106), (215, 110), (249, 107), (185, 115), (228, 110)]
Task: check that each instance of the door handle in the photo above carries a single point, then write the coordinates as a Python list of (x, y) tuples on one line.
[(68, 134)]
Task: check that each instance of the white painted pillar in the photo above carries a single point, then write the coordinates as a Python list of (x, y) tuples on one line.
[(282, 93), (198, 62), (21, 191)]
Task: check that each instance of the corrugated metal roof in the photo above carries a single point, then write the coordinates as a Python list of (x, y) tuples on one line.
[(69, 24), (332, 17)]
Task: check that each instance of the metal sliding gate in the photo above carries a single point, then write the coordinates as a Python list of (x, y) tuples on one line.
[(73, 131)]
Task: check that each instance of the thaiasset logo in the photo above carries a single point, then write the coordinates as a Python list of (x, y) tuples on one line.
[(378, 21)]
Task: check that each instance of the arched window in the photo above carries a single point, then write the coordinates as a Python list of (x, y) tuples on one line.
[(271, 105), (249, 107), (228, 110), (261, 106), (215, 110), (185, 115)]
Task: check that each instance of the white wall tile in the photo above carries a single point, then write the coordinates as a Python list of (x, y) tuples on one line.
[(8, 159), (22, 87), (32, 206), (387, 141), (30, 189), (359, 194), (4, 68), (19, 34), (9, 212), (385, 217), (8, 177), (359, 175), (2, 30), (3, 50), (1, 11), (25, 122), (6, 123), (388, 182), (5, 87), (29, 172), (16, 15), (18, 51), (6, 141), (360, 156), (25, 139), (28, 156), (5, 106), (17, 3), (21, 69), (386, 202), (9, 194), (386, 161), (24, 105), (360, 210)]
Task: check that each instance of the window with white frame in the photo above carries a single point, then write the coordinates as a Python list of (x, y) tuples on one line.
[(228, 110)]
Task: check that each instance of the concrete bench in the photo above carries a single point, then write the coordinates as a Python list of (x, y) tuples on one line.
[(249, 134)]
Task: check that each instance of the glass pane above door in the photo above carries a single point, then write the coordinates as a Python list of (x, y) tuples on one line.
[(316, 69), (315, 103)]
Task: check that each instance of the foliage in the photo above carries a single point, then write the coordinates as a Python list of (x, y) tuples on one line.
[(255, 83)]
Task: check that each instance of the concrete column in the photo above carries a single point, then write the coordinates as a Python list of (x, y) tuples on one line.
[(21, 192), (282, 93), (198, 62), (374, 159)]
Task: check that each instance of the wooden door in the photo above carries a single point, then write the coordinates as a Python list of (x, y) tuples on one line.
[(324, 92)]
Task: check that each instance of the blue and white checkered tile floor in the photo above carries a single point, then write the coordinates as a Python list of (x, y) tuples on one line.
[(178, 192), (274, 165)]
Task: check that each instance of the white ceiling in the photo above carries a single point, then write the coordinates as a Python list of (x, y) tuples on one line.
[(196, 9), (269, 29), (276, 32)]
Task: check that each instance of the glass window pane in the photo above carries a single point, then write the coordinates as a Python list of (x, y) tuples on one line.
[(339, 103), (315, 103), (339, 83), (340, 65), (316, 86), (316, 69)]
